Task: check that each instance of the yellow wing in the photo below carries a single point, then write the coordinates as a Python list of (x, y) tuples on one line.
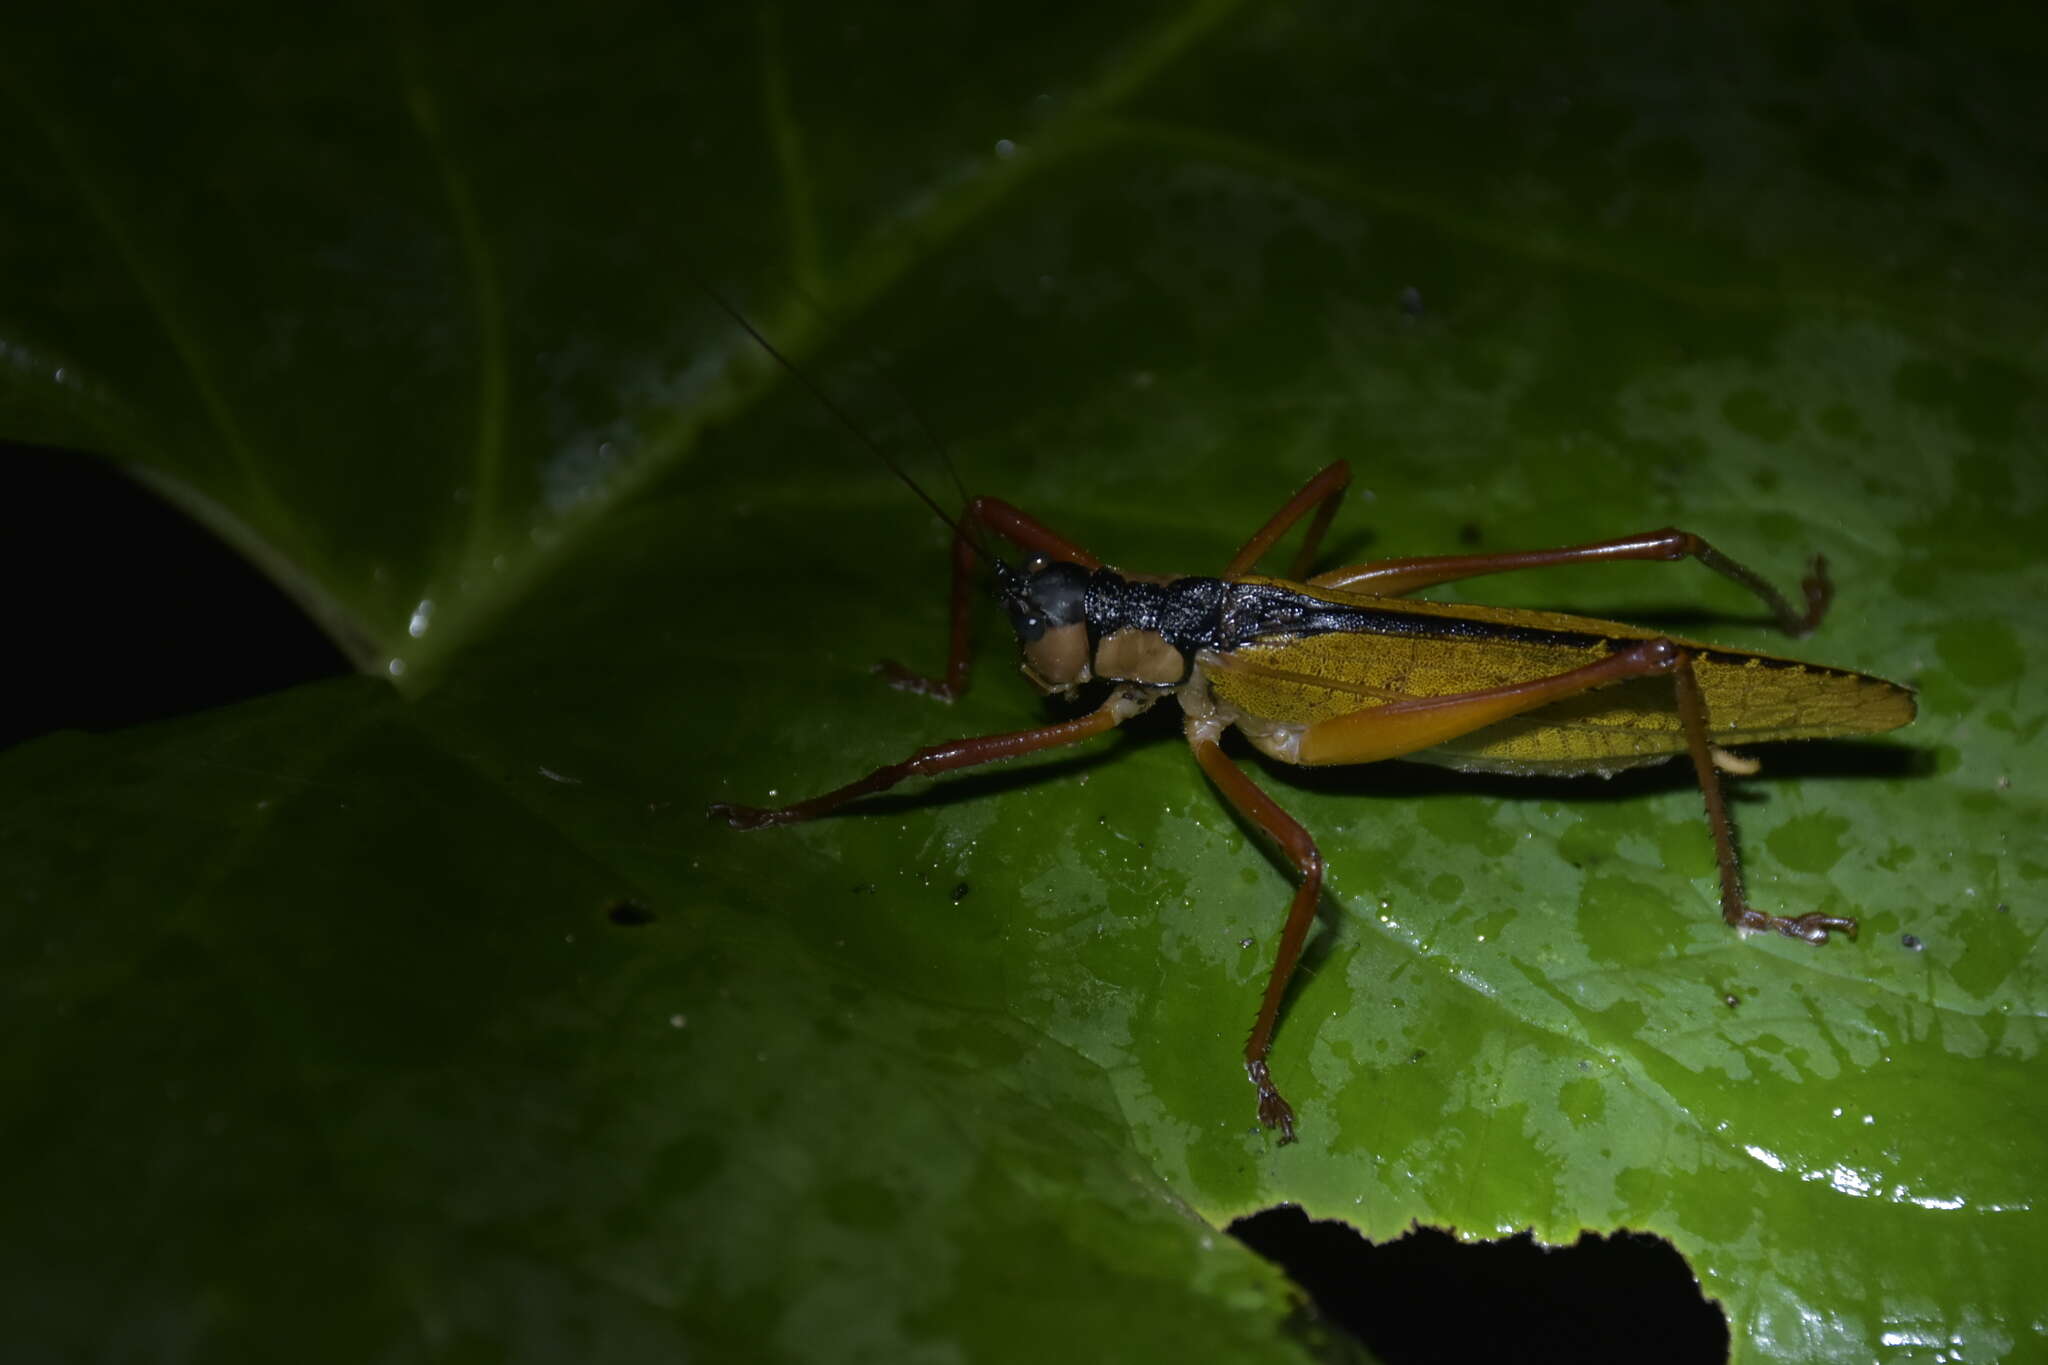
[(1436, 649)]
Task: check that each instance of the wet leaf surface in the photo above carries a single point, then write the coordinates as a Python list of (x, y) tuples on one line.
[(427, 1011)]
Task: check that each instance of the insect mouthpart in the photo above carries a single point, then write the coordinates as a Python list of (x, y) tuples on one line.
[(1047, 604)]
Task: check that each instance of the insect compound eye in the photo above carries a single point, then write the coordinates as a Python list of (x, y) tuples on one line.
[(1060, 593), (1045, 598)]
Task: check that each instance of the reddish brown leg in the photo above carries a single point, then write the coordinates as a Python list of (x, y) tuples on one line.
[(1321, 493), (1015, 527), (1735, 907), (1397, 577), (942, 758), (1406, 727), (1263, 811)]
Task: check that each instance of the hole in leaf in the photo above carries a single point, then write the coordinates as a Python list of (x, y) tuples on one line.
[(629, 914), (125, 610), (1427, 1297)]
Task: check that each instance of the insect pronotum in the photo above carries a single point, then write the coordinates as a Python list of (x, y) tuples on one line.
[(1340, 668)]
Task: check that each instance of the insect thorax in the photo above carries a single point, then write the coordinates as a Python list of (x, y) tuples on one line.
[(1075, 624)]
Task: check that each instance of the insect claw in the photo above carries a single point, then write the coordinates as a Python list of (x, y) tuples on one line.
[(1820, 591), (1808, 928), (741, 817), (1814, 927), (1274, 1112), (906, 680)]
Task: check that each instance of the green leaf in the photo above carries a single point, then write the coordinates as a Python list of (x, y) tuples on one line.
[(430, 1017)]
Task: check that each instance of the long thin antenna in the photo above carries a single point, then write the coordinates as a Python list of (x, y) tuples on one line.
[(826, 401), (917, 417)]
